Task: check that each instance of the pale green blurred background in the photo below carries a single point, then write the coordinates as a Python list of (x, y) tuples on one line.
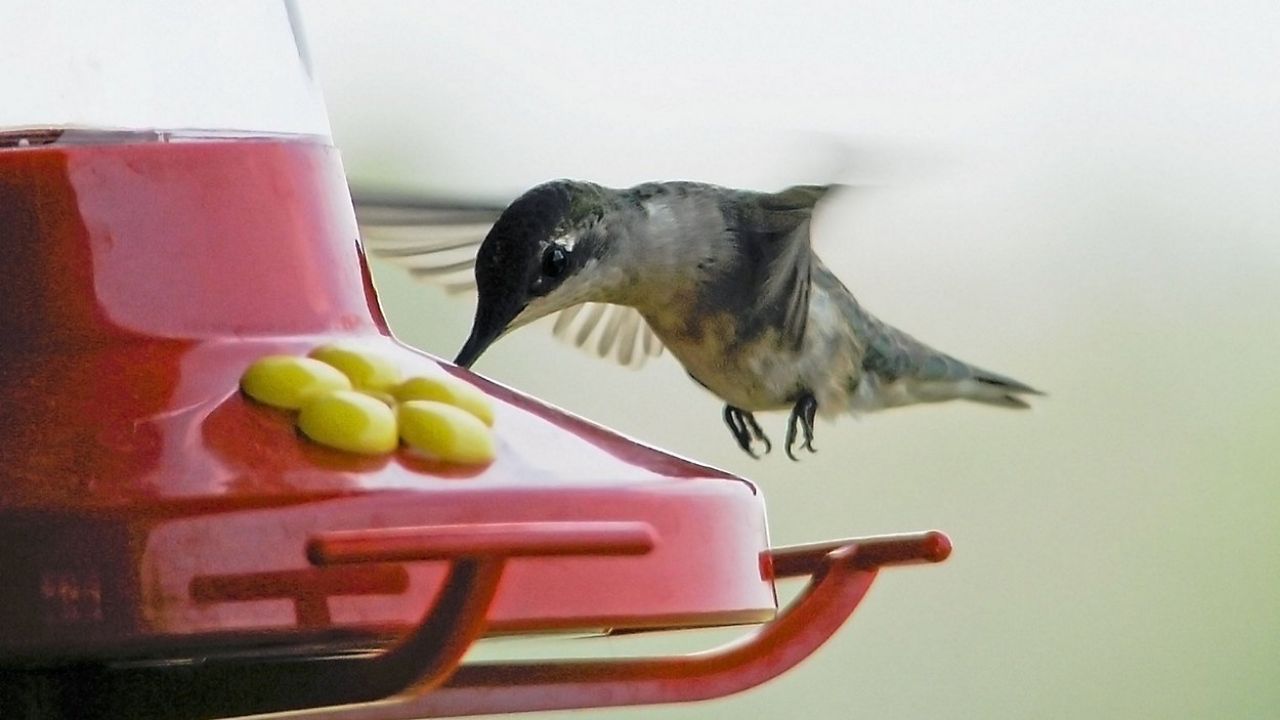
[(1083, 196)]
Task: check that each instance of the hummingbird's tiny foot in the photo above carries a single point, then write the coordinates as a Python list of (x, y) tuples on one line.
[(737, 426), (802, 416), (745, 430), (757, 433)]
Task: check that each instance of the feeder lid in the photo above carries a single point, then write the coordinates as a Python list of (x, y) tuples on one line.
[(231, 67)]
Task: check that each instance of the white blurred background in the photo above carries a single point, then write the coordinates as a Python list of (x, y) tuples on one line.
[(1085, 196)]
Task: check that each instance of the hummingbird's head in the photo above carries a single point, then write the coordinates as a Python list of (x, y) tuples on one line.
[(537, 259)]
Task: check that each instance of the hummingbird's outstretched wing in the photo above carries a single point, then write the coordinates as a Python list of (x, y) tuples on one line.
[(437, 242), (772, 229)]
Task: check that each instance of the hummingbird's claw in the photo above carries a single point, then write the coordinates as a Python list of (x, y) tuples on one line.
[(745, 430), (802, 415)]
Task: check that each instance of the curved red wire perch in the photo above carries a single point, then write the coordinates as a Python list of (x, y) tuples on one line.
[(423, 667), (218, 687), (842, 572), (477, 554)]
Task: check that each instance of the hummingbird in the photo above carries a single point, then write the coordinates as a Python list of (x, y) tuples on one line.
[(726, 280)]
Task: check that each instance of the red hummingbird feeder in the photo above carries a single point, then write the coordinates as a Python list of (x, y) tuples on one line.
[(172, 549)]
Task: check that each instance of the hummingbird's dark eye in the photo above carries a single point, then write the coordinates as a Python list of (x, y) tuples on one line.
[(554, 262)]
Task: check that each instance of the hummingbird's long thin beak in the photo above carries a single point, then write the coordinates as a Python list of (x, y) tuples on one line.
[(479, 341)]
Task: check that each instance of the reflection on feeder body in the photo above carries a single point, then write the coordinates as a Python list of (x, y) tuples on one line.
[(727, 280)]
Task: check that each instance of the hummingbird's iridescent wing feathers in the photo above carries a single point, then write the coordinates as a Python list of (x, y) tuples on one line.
[(437, 243), (776, 227), (620, 333), (628, 332)]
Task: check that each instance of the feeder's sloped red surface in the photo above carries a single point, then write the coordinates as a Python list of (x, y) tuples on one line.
[(147, 508)]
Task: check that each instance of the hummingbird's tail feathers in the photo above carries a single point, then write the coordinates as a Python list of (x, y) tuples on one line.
[(900, 370), (965, 382), (1004, 401), (991, 388)]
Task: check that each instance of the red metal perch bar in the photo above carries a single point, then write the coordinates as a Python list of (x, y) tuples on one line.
[(841, 573)]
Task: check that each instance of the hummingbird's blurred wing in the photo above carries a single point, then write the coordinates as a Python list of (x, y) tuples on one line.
[(615, 332), (775, 226), (437, 242)]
